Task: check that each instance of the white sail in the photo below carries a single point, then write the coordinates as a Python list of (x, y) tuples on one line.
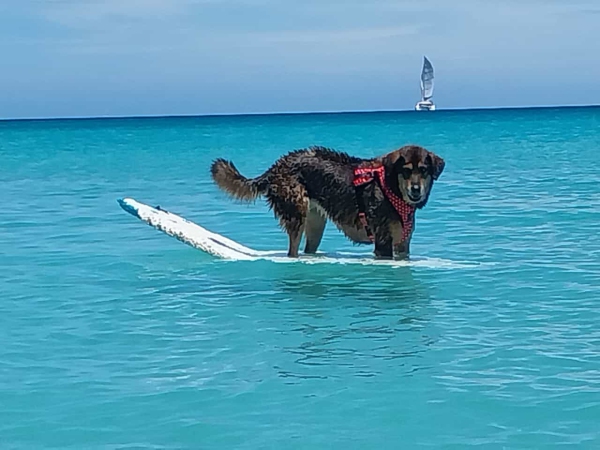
[(426, 80)]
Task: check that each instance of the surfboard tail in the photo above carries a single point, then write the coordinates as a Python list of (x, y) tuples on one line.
[(230, 180)]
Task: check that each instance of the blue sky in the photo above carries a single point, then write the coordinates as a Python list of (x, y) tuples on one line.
[(65, 58)]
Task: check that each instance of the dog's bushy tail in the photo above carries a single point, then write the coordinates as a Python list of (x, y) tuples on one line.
[(229, 179)]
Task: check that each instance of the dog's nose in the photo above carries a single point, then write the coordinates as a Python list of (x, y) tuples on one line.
[(415, 189)]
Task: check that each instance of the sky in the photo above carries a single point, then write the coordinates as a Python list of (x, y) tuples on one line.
[(81, 58)]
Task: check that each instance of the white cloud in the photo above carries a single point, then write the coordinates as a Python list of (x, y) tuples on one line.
[(84, 13), (346, 35), (155, 26)]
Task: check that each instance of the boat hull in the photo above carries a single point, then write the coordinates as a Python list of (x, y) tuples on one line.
[(425, 106)]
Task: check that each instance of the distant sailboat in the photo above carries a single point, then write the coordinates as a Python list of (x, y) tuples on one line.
[(426, 104)]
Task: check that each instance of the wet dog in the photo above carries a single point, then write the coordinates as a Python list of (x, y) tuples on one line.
[(369, 200)]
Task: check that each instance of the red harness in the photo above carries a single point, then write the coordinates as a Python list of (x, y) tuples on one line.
[(365, 175)]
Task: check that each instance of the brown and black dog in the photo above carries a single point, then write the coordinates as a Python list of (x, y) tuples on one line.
[(306, 187)]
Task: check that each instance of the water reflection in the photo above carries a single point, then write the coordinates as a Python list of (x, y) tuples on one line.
[(391, 287), (365, 321)]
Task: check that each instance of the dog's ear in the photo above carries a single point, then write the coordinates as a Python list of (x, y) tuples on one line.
[(437, 165), (397, 158)]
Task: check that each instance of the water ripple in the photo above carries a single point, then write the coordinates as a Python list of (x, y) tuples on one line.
[(116, 336)]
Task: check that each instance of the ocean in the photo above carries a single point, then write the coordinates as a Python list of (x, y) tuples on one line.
[(114, 335)]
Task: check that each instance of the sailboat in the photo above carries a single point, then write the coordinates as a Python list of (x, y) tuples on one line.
[(426, 104)]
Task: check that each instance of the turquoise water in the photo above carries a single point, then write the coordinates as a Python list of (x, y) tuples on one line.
[(113, 335)]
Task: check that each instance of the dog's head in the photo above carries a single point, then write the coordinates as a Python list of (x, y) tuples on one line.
[(411, 170)]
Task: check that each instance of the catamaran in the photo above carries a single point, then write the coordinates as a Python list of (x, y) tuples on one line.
[(426, 104)]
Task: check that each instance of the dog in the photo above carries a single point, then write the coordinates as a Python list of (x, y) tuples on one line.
[(371, 201)]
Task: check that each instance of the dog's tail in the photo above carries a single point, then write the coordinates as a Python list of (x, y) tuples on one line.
[(229, 179)]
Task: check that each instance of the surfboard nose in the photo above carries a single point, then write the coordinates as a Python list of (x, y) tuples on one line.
[(123, 203)]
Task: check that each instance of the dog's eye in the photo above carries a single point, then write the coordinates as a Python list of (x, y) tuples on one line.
[(406, 172), (424, 170)]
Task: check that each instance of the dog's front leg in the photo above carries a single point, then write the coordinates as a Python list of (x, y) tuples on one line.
[(401, 248), (384, 251), (383, 246)]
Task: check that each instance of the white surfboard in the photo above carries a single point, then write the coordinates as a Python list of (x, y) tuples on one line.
[(222, 247)]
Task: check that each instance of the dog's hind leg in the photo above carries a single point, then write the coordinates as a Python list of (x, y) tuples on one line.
[(290, 205), (314, 227), (294, 231)]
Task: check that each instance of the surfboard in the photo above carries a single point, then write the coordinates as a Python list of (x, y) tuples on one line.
[(219, 246)]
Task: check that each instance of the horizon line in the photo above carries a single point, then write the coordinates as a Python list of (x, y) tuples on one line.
[(292, 113)]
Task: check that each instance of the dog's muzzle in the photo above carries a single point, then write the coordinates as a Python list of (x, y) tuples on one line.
[(415, 193)]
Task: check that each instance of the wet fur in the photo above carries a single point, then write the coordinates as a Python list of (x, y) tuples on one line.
[(305, 188)]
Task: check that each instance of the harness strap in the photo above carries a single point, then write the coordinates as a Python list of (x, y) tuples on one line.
[(364, 176)]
